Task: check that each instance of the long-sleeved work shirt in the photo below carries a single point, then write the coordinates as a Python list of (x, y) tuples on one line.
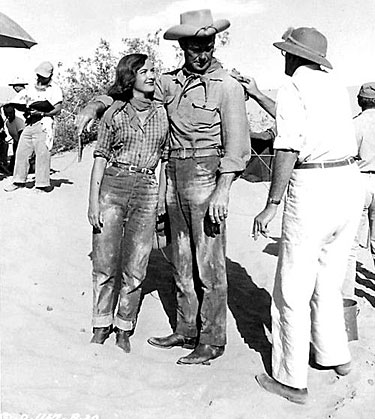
[(205, 111)]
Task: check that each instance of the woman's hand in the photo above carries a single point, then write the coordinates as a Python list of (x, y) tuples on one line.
[(94, 215)]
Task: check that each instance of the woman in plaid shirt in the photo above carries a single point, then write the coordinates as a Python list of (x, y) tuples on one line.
[(125, 198)]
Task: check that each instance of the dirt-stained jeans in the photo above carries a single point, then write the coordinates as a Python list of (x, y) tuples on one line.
[(121, 250), (198, 256)]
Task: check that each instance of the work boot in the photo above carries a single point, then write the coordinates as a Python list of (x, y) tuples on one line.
[(122, 339), (101, 334)]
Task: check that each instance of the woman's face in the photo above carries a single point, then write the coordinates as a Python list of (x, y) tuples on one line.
[(145, 80)]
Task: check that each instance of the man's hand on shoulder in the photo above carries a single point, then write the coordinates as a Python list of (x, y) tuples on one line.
[(248, 83)]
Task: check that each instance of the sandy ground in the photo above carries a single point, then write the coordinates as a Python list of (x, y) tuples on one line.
[(48, 365)]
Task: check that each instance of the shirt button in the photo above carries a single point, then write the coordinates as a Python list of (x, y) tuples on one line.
[(185, 95), (204, 106)]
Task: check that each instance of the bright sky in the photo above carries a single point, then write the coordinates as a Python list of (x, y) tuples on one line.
[(68, 29)]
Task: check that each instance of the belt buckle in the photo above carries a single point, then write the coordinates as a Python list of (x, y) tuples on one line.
[(132, 168), (145, 171), (182, 153)]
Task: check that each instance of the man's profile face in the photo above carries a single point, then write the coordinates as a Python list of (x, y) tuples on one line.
[(198, 53)]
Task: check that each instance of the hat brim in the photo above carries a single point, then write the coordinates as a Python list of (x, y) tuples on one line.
[(301, 52), (184, 31)]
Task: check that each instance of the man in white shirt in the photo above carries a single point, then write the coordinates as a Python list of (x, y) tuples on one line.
[(315, 145), (38, 134)]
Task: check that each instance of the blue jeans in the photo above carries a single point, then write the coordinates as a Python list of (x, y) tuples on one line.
[(197, 254), (121, 250)]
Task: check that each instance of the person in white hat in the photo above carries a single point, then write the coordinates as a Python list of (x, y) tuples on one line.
[(364, 124), (209, 147), (42, 101), (315, 145), (18, 84)]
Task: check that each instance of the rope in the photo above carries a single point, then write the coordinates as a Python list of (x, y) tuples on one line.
[(265, 164)]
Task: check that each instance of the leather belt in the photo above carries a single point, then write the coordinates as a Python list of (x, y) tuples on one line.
[(134, 169), (369, 172), (326, 164), (187, 153)]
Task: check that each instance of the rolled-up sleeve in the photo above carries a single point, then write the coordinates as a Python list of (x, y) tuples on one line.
[(290, 119), (105, 139), (235, 128)]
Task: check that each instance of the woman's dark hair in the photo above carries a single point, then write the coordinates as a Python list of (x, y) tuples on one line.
[(126, 71)]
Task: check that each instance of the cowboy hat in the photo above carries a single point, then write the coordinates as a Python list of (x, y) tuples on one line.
[(196, 23), (307, 43)]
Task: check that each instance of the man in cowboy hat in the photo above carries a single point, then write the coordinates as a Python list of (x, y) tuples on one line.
[(315, 145), (209, 146)]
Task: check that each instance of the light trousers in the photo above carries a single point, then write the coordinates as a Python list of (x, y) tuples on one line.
[(33, 140), (365, 236), (320, 220)]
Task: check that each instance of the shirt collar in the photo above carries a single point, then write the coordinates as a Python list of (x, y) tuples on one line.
[(212, 73)]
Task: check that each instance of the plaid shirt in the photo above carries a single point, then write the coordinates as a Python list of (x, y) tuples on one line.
[(122, 138)]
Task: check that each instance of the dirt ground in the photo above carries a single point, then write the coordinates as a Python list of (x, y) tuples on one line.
[(48, 365)]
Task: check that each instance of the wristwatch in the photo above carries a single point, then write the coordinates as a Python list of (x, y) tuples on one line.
[(273, 201)]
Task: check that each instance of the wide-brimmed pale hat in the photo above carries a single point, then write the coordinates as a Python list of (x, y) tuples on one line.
[(18, 81), (367, 90), (196, 23), (307, 43)]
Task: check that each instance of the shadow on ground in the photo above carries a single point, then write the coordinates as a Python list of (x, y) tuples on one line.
[(249, 304), (251, 308), (160, 278), (272, 248)]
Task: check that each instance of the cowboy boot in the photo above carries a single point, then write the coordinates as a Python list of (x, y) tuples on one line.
[(122, 339), (101, 334)]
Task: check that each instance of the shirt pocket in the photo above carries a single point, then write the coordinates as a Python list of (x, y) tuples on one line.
[(204, 113)]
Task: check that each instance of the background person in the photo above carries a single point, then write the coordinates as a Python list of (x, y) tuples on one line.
[(15, 125), (3, 149), (18, 84), (124, 197), (364, 124), (37, 136)]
